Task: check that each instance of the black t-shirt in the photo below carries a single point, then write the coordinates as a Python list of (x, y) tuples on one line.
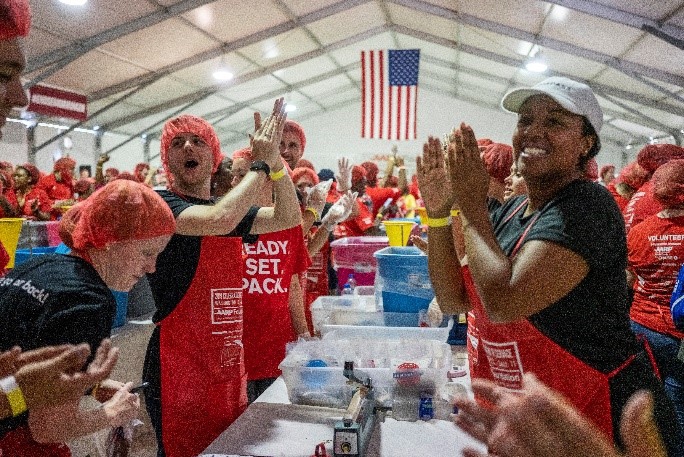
[(176, 265), (592, 321), (51, 300)]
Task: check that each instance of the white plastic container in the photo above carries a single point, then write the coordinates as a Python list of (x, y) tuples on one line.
[(392, 365), (341, 332), (345, 310)]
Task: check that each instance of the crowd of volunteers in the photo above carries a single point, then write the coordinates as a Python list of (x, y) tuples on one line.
[(565, 272)]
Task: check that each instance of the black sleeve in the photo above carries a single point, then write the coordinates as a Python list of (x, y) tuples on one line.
[(176, 203), (245, 226)]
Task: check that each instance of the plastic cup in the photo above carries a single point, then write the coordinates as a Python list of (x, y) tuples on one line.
[(10, 229), (398, 231)]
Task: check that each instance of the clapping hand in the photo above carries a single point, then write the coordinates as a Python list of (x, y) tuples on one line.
[(266, 139), (433, 179), (467, 174)]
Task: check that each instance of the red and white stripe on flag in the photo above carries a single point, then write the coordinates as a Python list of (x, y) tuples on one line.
[(387, 111)]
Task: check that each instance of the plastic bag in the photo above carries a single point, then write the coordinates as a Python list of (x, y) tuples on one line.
[(117, 441), (677, 301)]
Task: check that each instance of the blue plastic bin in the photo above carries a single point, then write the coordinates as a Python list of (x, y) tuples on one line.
[(22, 255), (406, 286)]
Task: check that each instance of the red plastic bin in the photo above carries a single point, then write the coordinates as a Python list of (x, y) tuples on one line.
[(354, 254)]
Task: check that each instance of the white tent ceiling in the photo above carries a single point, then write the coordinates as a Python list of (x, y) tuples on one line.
[(141, 61)]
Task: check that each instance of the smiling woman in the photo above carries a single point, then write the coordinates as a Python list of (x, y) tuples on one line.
[(544, 278)]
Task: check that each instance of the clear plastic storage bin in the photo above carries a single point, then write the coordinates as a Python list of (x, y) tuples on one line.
[(313, 370)]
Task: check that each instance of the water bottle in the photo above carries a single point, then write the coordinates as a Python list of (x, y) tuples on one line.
[(347, 290), (351, 282)]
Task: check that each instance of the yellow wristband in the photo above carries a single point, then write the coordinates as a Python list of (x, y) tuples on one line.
[(15, 396), (276, 175), (312, 211), (439, 222), (455, 212)]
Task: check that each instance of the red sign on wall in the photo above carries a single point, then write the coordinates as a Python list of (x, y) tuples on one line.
[(55, 102)]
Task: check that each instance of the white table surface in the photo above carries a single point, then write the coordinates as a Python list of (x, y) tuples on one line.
[(273, 427)]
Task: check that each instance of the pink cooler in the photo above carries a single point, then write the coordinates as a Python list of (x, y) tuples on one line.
[(354, 254)]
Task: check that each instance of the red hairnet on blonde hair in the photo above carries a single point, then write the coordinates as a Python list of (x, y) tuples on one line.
[(65, 167), (189, 124), (652, 156), (122, 210), (244, 153), (292, 126), (498, 158), (633, 175), (482, 143), (668, 184), (300, 172), (15, 18)]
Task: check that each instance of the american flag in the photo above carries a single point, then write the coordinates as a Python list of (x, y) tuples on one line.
[(389, 93)]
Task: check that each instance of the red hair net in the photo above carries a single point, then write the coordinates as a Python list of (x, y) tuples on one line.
[(4, 165), (591, 170), (122, 210), (482, 143), (358, 173), (299, 172), (304, 163), (652, 156), (668, 184), (498, 158), (633, 175), (139, 169), (65, 165), (292, 126), (126, 176), (114, 172), (372, 171), (15, 19), (605, 168), (83, 184), (244, 153), (33, 172), (7, 180), (189, 124)]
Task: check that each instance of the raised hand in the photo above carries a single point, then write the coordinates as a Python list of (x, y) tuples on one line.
[(316, 196), (433, 179), (267, 134), (344, 168), (467, 174)]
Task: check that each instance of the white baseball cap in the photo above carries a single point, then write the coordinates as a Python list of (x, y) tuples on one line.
[(575, 97)]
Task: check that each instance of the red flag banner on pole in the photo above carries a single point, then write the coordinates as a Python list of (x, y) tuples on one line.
[(389, 93)]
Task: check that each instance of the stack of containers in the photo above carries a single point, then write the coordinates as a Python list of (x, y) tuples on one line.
[(354, 255), (404, 284)]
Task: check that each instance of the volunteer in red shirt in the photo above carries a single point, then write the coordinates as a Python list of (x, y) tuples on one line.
[(607, 174), (59, 185), (630, 179), (643, 203), (362, 221), (272, 300), (656, 252), (379, 191), (31, 201)]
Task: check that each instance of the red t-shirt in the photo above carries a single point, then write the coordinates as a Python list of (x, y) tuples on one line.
[(315, 281), (358, 225), (269, 266), (656, 253), (379, 196), (619, 199), (56, 190), (641, 205), (44, 202)]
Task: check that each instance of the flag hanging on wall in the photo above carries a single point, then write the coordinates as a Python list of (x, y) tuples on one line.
[(389, 93)]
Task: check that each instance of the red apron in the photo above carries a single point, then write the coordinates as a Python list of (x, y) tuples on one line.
[(203, 380), (20, 443), (504, 352)]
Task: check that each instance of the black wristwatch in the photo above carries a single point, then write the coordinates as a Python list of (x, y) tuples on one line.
[(260, 165)]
